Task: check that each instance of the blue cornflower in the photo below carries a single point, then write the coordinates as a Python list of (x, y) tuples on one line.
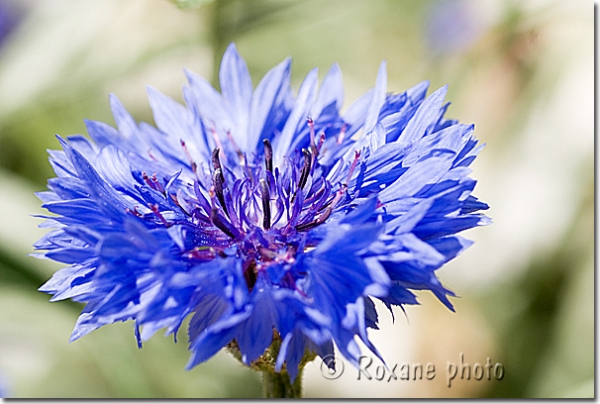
[(259, 214)]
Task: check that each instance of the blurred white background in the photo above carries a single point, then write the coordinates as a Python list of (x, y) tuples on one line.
[(522, 71)]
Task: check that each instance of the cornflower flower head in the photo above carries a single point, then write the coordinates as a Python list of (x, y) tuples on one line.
[(266, 217)]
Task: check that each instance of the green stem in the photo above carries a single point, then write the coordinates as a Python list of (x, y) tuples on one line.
[(275, 384), (278, 385)]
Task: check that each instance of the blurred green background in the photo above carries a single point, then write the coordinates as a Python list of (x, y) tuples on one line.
[(522, 71)]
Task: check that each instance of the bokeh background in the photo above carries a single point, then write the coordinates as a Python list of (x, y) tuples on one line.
[(522, 71)]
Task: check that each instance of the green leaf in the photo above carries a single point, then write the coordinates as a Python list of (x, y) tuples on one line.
[(190, 4)]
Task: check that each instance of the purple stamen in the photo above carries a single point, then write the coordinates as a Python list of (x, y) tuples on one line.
[(134, 211), (266, 203), (156, 211), (353, 166), (193, 164), (305, 169), (218, 182), (215, 158), (157, 184), (152, 182), (326, 213), (219, 223), (268, 155), (321, 141), (219, 179), (147, 180), (311, 128)]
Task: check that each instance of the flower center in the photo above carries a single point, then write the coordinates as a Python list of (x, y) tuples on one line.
[(265, 213), (255, 211)]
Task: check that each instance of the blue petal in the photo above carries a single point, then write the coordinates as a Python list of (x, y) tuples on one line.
[(236, 87), (208, 311), (425, 118), (426, 171), (102, 133), (292, 350), (377, 99), (125, 122), (371, 316), (207, 345), (269, 104), (331, 92), (298, 116), (175, 120), (105, 195), (255, 334)]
